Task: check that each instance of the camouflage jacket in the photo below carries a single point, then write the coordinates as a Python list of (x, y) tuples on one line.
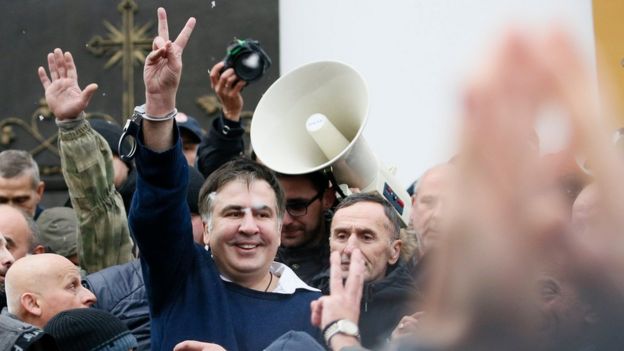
[(86, 160)]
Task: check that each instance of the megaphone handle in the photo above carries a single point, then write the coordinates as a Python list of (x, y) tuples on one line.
[(332, 179)]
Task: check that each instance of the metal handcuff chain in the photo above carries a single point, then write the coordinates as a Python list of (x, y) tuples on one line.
[(131, 130)]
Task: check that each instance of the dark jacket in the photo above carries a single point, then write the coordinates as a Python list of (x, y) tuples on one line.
[(308, 263), (223, 143), (383, 305), (127, 189), (120, 290), (17, 335), (187, 298)]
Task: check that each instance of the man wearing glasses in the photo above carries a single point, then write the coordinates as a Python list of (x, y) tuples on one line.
[(305, 239)]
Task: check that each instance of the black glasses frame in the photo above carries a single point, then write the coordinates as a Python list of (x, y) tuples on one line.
[(304, 210)]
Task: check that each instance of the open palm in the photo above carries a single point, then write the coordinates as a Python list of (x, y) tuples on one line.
[(63, 95)]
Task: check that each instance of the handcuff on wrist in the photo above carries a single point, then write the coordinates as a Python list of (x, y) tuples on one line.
[(131, 130)]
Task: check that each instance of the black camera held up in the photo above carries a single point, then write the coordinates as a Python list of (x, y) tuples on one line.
[(247, 58)]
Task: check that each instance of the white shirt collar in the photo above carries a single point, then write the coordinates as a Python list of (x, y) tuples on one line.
[(288, 283)]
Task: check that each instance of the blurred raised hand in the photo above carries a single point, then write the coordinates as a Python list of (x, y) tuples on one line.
[(506, 229)]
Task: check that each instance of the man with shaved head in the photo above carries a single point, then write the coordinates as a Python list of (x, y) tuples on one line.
[(40, 286)]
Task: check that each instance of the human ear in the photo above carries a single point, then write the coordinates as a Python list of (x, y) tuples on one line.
[(30, 303), (395, 251), (39, 249), (206, 234), (40, 189)]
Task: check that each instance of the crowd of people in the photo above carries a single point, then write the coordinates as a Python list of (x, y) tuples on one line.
[(194, 246)]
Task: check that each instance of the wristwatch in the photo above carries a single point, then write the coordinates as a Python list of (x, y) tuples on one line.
[(341, 326)]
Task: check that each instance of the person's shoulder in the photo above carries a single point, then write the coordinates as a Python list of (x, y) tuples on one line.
[(115, 282), (399, 277), (17, 335)]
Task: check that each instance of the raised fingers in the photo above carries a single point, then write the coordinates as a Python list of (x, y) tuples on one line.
[(159, 43), (52, 67), (222, 81), (215, 73), (185, 34), (60, 63), (43, 77), (335, 274), (355, 280), (231, 81), (88, 92), (316, 314), (154, 56), (70, 66), (570, 80), (238, 87), (163, 27)]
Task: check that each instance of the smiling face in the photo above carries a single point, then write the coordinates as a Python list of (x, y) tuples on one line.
[(365, 226), (244, 232)]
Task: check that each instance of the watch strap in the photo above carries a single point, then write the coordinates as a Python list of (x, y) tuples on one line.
[(334, 328)]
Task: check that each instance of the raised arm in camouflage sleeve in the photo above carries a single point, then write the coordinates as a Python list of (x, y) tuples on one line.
[(86, 162)]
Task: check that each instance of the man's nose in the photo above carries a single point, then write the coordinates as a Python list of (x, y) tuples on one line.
[(248, 224), (6, 259), (88, 298), (352, 244), (288, 219)]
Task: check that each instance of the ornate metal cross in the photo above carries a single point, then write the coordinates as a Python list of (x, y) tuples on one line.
[(128, 44)]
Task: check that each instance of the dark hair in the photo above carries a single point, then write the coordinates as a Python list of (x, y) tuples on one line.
[(391, 215), (238, 169), (320, 183)]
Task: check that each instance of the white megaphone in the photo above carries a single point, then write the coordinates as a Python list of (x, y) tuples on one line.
[(312, 119)]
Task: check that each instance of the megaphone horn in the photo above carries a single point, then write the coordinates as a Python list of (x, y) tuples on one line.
[(312, 119)]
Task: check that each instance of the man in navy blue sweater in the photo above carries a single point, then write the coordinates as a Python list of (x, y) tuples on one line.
[(233, 294)]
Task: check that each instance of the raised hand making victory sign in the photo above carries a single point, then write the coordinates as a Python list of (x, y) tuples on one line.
[(163, 67)]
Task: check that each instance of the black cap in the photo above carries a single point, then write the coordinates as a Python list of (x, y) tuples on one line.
[(85, 329)]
